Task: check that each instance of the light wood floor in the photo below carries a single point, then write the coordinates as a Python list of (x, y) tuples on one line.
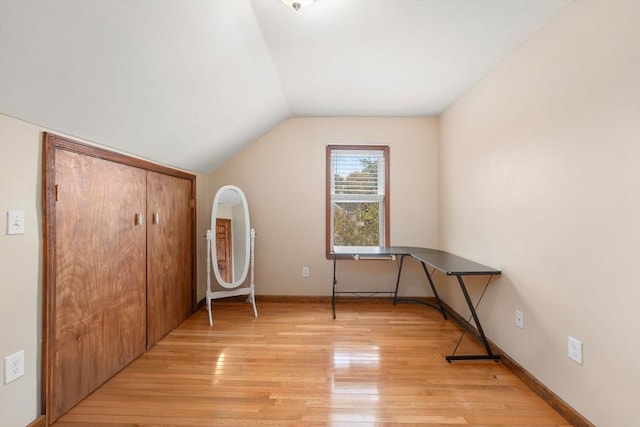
[(376, 364)]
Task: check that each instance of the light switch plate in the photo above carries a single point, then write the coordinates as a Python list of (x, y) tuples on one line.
[(519, 319), (15, 222)]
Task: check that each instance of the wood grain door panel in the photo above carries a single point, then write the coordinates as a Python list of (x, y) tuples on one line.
[(99, 322), (96, 264), (223, 248), (169, 254)]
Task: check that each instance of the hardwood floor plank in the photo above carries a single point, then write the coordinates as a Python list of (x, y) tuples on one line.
[(376, 364)]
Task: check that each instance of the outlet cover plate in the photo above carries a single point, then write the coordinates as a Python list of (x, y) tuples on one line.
[(574, 350), (13, 366)]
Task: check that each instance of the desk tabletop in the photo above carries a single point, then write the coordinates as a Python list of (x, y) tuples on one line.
[(451, 265), (369, 250)]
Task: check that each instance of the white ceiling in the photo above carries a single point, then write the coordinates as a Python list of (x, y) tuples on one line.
[(190, 83)]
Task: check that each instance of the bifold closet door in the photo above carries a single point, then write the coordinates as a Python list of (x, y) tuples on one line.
[(169, 257), (100, 274)]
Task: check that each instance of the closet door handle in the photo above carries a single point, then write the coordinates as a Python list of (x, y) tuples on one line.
[(139, 219), (156, 217)]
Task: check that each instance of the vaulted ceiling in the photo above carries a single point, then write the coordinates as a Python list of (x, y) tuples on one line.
[(190, 83)]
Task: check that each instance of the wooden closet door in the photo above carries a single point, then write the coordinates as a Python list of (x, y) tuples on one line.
[(100, 275), (169, 254), (223, 249)]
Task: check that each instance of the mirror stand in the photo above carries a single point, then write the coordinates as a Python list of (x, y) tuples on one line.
[(250, 291)]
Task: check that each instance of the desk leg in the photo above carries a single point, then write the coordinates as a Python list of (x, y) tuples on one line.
[(395, 294), (433, 288), (335, 282), (412, 301), (483, 338)]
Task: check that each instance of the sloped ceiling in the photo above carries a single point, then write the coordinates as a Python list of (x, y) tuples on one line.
[(190, 83)]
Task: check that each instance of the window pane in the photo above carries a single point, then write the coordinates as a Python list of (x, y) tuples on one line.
[(356, 224), (357, 196), (357, 172)]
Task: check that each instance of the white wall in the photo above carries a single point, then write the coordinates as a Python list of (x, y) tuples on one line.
[(21, 273), (540, 175), (20, 268), (283, 177)]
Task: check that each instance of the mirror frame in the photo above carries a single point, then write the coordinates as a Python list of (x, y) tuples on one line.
[(247, 240)]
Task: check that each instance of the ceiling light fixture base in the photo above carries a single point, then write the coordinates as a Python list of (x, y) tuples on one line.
[(297, 4)]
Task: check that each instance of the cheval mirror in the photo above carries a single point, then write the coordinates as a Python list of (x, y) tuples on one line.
[(230, 247)]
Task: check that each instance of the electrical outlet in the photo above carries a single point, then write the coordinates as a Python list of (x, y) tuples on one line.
[(305, 271), (519, 319), (13, 366), (574, 350)]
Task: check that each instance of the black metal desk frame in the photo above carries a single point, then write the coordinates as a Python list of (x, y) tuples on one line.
[(396, 300), (364, 253), (449, 264)]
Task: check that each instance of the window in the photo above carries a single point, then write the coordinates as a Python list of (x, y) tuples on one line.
[(357, 199)]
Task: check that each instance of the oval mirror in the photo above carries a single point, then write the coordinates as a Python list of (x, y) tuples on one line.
[(231, 238)]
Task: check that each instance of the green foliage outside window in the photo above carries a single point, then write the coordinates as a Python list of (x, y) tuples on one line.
[(357, 223)]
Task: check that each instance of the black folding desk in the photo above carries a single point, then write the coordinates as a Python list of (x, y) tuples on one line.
[(449, 264)]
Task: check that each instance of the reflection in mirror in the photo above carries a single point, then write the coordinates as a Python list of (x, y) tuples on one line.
[(230, 247), (232, 237)]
